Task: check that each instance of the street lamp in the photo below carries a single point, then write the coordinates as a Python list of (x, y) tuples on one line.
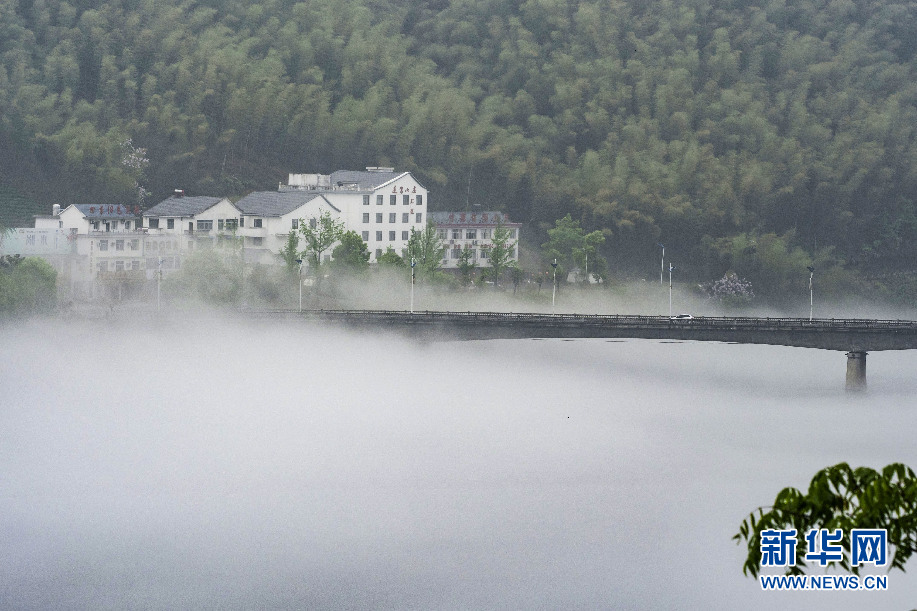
[(554, 291), (300, 284), (811, 294), (671, 267), (413, 263), (661, 263)]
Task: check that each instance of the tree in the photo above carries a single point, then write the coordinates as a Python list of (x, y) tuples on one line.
[(290, 252), (390, 259), (572, 247), (840, 497), (426, 248), (319, 234), (351, 253), (500, 254), (27, 285), (466, 266)]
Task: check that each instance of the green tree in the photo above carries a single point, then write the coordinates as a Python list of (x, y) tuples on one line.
[(500, 254), (426, 248), (351, 254), (319, 235), (27, 285), (572, 247), (390, 259), (290, 252), (840, 497), (466, 266)]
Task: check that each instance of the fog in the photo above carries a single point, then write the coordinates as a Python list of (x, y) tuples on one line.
[(223, 464)]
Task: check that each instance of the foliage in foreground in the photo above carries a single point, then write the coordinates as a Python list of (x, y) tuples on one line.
[(840, 497), (27, 285)]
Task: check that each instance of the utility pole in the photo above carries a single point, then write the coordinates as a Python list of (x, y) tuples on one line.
[(661, 264), (413, 263), (554, 292), (300, 284), (811, 294), (671, 267)]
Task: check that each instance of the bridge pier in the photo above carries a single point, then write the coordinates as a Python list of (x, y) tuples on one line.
[(856, 371)]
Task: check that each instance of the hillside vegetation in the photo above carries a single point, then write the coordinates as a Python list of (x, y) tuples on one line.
[(687, 123)]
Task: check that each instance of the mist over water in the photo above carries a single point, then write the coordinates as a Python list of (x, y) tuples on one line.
[(224, 464)]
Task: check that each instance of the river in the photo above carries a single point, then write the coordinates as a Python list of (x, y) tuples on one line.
[(234, 465)]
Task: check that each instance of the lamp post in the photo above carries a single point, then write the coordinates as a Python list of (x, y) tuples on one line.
[(671, 267), (413, 263), (661, 263), (811, 294), (300, 284), (554, 291), (159, 286)]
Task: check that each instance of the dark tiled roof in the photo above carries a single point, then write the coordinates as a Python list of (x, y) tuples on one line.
[(277, 203), (365, 181), (183, 206), (106, 211)]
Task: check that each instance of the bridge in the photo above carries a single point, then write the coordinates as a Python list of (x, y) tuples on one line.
[(855, 337)]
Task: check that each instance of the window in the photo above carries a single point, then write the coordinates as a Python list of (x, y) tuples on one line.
[(419, 200), (103, 244), (135, 265), (391, 236), (393, 217), (471, 234), (365, 236), (257, 241), (379, 217), (95, 225), (366, 217), (312, 223), (378, 200), (378, 250), (119, 266), (393, 199), (420, 217), (170, 223), (205, 225), (485, 234), (127, 225), (404, 217), (151, 223), (241, 221), (442, 234), (483, 253), (257, 224), (378, 236), (365, 200), (456, 234), (456, 253), (405, 235), (294, 223), (107, 226), (233, 224), (135, 244), (406, 199), (220, 224)]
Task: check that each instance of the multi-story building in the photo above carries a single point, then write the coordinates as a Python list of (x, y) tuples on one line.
[(473, 231), (379, 204)]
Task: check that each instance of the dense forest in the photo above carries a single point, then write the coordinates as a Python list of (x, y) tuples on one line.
[(701, 124)]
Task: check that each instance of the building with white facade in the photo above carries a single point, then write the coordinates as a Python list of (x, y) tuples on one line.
[(379, 204), (473, 231)]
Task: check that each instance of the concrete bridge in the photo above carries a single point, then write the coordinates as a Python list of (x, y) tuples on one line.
[(856, 337)]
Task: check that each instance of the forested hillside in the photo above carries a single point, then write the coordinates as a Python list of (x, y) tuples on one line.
[(658, 121)]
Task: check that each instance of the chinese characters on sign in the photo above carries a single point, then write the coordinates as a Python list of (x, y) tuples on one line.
[(867, 546)]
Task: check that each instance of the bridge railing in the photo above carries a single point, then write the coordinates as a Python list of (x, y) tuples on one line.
[(781, 323)]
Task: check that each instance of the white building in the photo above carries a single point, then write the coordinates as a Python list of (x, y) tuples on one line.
[(379, 204), (473, 231)]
